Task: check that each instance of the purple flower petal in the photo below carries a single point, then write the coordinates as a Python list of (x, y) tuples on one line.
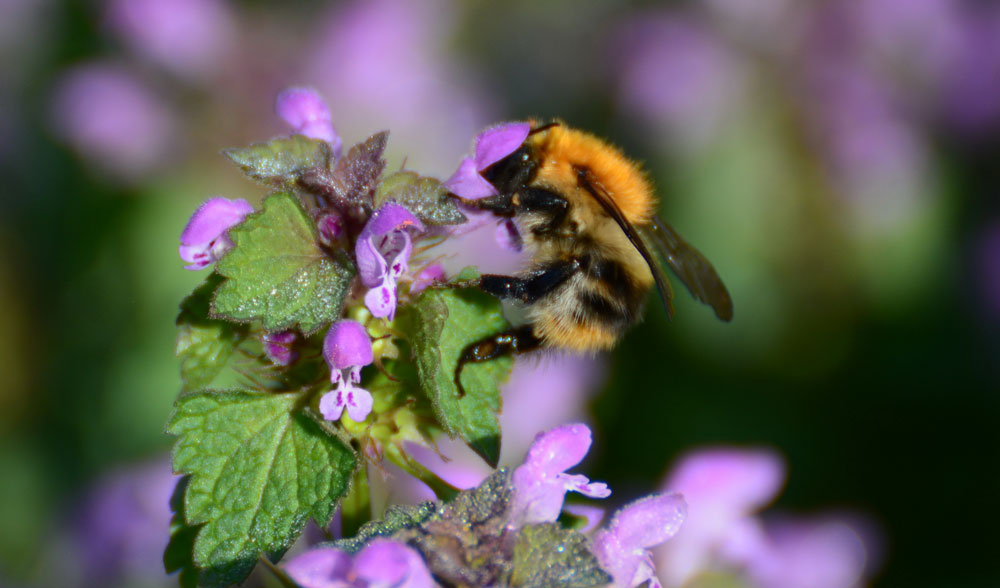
[(330, 226), (583, 485), (540, 485), (387, 220), (372, 267), (306, 112), (733, 480), (498, 142), (190, 37), (818, 554), (384, 562), (381, 301), (621, 548), (331, 405), (323, 567), (358, 402), (203, 240), (347, 345), (723, 487), (390, 217), (279, 347), (560, 448), (467, 183), (649, 521)]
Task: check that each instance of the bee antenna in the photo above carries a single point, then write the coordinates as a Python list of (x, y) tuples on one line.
[(544, 127)]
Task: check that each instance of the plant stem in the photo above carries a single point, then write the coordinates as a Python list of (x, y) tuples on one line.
[(356, 507)]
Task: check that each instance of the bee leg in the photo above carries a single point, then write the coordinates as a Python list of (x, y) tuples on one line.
[(530, 288), (517, 341)]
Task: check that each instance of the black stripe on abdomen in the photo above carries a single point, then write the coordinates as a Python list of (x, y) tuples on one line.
[(598, 308)]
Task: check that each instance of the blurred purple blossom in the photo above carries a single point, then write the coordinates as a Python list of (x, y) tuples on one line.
[(382, 251), (188, 37), (111, 119), (305, 111), (122, 526), (279, 347), (540, 483), (204, 239), (622, 547), (972, 81), (347, 348), (803, 553), (724, 489), (674, 71), (387, 63), (568, 382), (383, 563)]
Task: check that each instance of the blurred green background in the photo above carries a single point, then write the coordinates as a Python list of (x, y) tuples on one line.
[(837, 162)]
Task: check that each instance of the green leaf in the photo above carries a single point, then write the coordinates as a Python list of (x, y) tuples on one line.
[(547, 555), (279, 161), (424, 197), (278, 273), (260, 468), (204, 344), (440, 324)]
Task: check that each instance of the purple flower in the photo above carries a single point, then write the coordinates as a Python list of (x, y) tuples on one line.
[(674, 72), (723, 488), (386, 563), (821, 553), (622, 547), (279, 347), (382, 251), (189, 37), (491, 146), (306, 112), (331, 227), (347, 348), (122, 525), (383, 563), (323, 567), (110, 118), (540, 484), (204, 239)]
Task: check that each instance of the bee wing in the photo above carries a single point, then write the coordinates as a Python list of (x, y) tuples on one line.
[(694, 271), (609, 205)]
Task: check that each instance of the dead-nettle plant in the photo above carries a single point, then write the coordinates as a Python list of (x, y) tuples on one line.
[(325, 341)]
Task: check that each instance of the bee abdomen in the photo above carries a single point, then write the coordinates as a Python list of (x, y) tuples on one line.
[(596, 308)]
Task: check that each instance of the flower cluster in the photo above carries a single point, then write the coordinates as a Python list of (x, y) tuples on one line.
[(538, 489)]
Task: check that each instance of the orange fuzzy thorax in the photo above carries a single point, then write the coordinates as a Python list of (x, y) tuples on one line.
[(564, 149)]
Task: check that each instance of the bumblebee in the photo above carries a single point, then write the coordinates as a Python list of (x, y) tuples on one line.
[(587, 214)]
